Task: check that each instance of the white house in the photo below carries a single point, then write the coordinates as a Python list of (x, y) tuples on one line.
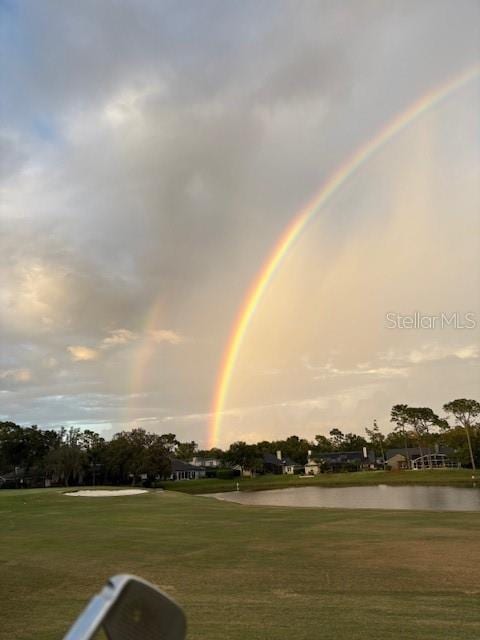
[(312, 467), (211, 463)]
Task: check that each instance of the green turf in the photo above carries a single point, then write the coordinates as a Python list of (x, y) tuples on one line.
[(244, 573), (451, 477)]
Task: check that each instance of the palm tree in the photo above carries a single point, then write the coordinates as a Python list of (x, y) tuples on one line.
[(465, 411)]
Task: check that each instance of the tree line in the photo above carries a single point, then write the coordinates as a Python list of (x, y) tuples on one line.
[(414, 427), (75, 456)]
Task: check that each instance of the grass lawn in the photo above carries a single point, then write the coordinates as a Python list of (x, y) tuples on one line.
[(242, 573), (451, 477)]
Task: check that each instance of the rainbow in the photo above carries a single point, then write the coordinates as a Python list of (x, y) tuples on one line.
[(298, 224), (143, 357)]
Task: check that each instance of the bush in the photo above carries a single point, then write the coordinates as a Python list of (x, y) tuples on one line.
[(225, 474)]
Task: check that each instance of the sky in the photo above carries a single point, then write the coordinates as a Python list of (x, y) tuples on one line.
[(153, 153)]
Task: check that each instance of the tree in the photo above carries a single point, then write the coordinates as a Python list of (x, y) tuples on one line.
[(421, 419), (465, 413), (297, 448), (214, 452), (245, 455), (133, 453), (377, 439), (94, 447), (156, 461), (13, 446), (186, 450), (398, 439), (454, 437), (337, 438), (169, 442), (323, 443), (352, 442), (117, 460), (25, 447), (68, 459), (294, 447), (399, 416)]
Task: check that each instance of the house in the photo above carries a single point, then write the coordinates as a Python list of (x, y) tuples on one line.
[(210, 466), (396, 462), (211, 463), (244, 472), (276, 463), (339, 461), (415, 458), (11, 480), (22, 479), (312, 467), (184, 471)]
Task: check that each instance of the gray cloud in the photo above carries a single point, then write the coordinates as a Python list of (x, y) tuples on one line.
[(152, 153)]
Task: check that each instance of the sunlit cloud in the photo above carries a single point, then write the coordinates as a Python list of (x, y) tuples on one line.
[(82, 354), (117, 338), (431, 353), (36, 296), (470, 352), (380, 372), (166, 335), (328, 370)]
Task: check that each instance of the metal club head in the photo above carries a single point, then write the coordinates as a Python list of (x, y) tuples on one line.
[(129, 608)]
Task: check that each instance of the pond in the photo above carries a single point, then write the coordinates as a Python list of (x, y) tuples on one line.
[(372, 497)]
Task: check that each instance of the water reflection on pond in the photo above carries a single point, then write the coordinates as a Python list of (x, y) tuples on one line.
[(373, 497)]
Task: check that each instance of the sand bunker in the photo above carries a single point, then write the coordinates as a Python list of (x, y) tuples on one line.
[(103, 493)]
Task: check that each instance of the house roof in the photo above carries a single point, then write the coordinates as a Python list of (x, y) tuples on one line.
[(271, 458), (341, 456), (180, 465), (10, 475), (414, 452)]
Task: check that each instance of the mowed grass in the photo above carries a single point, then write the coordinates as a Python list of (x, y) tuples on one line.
[(242, 572), (450, 477)]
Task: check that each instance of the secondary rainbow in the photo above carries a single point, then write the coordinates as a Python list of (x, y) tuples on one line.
[(143, 358), (300, 221)]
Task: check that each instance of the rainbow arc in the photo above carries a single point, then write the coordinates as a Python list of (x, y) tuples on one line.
[(300, 221)]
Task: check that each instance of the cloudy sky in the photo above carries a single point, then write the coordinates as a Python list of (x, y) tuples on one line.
[(152, 153)]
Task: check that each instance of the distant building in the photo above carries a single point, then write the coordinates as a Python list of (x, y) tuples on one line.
[(23, 479), (415, 458), (278, 464), (397, 461), (313, 467), (198, 461), (339, 461), (238, 470), (184, 471)]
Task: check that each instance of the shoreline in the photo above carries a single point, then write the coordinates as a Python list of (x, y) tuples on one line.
[(436, 477)]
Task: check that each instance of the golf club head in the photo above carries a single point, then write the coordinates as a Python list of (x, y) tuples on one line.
[(129, 608)]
